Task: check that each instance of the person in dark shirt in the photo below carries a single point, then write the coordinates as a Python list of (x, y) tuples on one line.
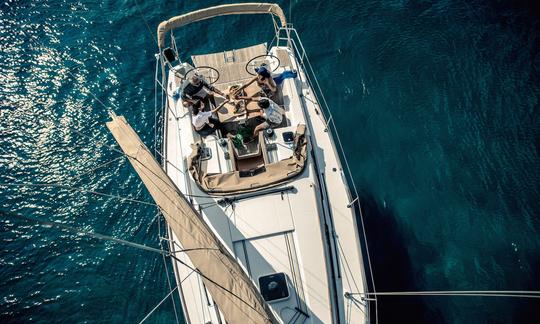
[(197, 88), (264, 81)]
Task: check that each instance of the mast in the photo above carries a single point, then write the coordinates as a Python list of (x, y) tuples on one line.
[(231, 288)]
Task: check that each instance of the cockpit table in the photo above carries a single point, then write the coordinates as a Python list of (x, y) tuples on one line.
[(249, 108)]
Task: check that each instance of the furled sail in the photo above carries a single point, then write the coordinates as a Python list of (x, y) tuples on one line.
[(232, 290)]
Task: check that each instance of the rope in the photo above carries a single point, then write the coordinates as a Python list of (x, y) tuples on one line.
[(146, 23), (94, 169), (91, 138), (220, 286), (71, 73), (80, 231), (156, 152), (342, 254), (134, 245), (127, 199), (93, 95), (159, 304), (98, 235), (75, 189), (111, 147), (290, 10), (155, 107), (166, 268)]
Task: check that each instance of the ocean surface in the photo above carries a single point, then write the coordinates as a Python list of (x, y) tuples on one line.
[(437, 103)]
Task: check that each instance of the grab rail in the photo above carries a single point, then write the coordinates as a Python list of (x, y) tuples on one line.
[(294, 43)]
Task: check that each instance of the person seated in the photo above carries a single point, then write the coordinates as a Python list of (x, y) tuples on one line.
[(272, 115), (189, 102), (264, 81), (203, 121), (198, 88)]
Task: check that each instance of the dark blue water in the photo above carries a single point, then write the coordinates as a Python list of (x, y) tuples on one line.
[(437, 103)]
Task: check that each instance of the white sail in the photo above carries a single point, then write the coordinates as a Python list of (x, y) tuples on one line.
[(232, 290)]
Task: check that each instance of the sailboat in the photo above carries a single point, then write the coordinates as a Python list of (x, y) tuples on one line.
[(263, 226)]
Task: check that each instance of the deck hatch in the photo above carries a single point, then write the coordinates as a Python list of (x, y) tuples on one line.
[(274, 287)]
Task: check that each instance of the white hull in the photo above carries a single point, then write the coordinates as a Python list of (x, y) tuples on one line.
[(308, 233)]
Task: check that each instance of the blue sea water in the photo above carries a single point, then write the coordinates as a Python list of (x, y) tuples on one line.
[(437, 103)]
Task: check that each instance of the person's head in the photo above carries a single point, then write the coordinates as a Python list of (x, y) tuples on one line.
[(195, 79), (264, 103), (262, 72), (195, 109)]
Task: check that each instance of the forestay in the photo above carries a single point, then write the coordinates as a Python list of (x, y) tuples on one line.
[(232, 290)]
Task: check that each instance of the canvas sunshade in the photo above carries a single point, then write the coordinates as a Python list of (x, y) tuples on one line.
[(232, 182), (228, 9)]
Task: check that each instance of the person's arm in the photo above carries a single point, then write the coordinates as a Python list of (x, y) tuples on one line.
[(244, 86), (257, 129), (219, 92), (219, 107), (271, 84), (213, 89), (249, 97)]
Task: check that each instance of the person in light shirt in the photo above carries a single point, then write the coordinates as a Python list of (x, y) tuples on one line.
[(202, 120), (272, 115)]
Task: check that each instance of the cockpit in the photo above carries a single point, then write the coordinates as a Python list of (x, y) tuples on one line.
[(238, 147)]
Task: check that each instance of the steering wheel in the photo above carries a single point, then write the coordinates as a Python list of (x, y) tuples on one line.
[(210, 74), (267, 59)]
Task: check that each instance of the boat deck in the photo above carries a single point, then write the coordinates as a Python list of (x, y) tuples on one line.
[(230, 64), (307, 232)]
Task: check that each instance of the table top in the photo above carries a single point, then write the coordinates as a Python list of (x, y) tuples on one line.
[(227, 113)]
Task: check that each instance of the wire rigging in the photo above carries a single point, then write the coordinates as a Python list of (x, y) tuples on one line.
[(165, 264), (159, 304), (146, 23), (310, 73), (76, 189), (78, 176), (456, 293), (138, 246)]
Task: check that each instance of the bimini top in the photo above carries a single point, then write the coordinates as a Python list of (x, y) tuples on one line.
[(228, 9)]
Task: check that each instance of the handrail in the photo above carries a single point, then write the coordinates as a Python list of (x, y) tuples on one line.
[(294, 43), (228, 9)]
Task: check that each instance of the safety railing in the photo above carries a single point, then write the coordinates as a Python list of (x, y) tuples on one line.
[(285, 36), (288, 36)]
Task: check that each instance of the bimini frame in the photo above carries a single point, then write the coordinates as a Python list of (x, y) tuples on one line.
[(223, 10)]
